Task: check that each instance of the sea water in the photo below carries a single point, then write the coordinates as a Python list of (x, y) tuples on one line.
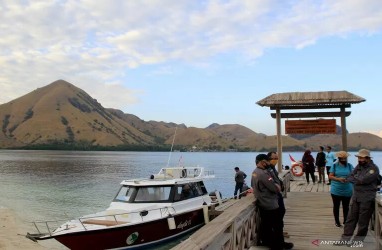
[(46, 185)]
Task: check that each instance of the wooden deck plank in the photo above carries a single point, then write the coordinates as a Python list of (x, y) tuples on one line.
[(309, 220)]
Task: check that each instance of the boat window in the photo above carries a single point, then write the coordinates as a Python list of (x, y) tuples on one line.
[(187, 191), (124, 193), (152, 194), (202, 187)]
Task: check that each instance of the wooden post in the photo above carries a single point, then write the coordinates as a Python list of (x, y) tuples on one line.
[(343, 127), (279, 141)]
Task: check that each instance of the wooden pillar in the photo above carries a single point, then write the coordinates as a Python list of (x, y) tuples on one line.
[(279, 141), (343, 127)]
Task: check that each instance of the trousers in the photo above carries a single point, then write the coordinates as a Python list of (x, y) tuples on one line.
[(360, 214)]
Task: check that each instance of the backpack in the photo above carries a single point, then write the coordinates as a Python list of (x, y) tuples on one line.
[(347, 164)]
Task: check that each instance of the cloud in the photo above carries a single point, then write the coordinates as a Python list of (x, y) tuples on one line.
[(97, 41)]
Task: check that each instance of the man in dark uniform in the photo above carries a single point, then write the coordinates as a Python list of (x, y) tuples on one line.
[(265, 190), (239, 179), (273, 160), (364, 177)]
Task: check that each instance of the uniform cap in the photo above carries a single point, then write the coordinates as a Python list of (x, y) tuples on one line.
[(261, 157)]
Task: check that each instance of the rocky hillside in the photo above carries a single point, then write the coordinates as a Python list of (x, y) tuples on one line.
[(60, 115)]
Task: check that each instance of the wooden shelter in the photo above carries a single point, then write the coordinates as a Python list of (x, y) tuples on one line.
[(310, 100)]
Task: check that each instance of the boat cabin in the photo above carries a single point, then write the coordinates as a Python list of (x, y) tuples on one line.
[(168, 186)]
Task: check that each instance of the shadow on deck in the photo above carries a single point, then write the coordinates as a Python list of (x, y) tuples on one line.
[(308, 220)]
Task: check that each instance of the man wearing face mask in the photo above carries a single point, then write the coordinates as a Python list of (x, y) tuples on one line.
[(273, 160), (364, 177), (265, 189)]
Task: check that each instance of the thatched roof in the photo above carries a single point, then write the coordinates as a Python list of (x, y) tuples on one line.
[(324, 99)]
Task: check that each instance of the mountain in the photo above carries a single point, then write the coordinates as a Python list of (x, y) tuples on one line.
[(61, 113), (62, 116), (355, 141)]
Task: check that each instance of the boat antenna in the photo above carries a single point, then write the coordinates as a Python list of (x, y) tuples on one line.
[(172, 145)]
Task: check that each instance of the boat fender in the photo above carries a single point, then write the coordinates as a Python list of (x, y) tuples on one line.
[(295, 170), (171, 223), (214, 194), (184, 173), (205, 213)]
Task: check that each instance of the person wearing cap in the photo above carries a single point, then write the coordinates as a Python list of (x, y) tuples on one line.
[(364, 177), (341, 190), (265, 190), (239, 179), (330, 158), (273, 160)]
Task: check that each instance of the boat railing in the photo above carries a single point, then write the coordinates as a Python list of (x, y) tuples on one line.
[(184, 172), (88, 222)]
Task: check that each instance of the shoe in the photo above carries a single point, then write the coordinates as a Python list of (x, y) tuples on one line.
[(235, 197), (319, 182), (328, 183), (338, 225), (288, 245)]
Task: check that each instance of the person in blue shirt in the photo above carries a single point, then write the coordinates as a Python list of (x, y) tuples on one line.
[(330, 158), (340, 189)]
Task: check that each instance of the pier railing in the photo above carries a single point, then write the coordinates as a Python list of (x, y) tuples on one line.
[(378, 221), (235, 229)]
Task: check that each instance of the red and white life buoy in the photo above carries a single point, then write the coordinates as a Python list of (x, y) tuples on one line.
[(297, 169)]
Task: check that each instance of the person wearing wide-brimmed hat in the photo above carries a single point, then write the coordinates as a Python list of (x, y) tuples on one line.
[(341, 190), (365, 178)]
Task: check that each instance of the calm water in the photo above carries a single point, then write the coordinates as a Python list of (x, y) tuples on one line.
[(40, 185)]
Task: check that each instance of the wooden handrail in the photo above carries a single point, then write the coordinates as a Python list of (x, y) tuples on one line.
[(235, 228)]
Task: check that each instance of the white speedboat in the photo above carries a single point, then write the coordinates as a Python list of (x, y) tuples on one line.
[(144, 212)]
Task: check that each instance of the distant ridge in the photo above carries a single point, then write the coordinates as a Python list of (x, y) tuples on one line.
[(62, 116)]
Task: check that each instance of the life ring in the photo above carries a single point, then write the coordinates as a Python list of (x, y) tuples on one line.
[(297, 169)]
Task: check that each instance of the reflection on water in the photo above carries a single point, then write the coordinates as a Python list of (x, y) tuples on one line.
[(40, 185)]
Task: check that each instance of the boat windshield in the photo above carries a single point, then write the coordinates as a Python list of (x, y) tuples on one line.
[(124, 193), (132, 194)]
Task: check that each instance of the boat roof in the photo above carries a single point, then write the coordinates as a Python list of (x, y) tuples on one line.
[(171, 176)]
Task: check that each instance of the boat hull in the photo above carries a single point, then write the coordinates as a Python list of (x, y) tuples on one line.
[(133, 236)]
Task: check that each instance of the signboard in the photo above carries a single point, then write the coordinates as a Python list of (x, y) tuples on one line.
[(320, 126)]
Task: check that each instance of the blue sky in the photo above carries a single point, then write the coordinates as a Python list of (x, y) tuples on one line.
[(196, 62)]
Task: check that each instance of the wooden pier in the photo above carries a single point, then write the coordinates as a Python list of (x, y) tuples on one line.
[(308, 220)]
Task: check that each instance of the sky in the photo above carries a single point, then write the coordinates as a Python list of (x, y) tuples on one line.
[(196, 62)]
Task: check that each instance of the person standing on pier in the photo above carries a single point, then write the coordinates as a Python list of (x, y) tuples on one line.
[(239, 179), (320, 163), (308, 162), (273, 160), (340, 190), (330, 158), (265, 190), (365, 178)]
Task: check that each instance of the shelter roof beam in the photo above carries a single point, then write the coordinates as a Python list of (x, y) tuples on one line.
[(311, 114), (326, 106)]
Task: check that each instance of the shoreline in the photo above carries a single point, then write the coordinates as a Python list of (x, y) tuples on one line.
[(13, 231)]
